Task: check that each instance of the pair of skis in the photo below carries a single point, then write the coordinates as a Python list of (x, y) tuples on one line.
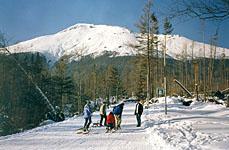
[(110, 131), (82, 131)]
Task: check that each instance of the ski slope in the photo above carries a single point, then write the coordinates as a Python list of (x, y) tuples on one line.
[(199, 126)]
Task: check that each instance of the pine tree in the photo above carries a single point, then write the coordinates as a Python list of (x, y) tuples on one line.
[(63, 84), (145, 25), (140, 78), (112, 81)]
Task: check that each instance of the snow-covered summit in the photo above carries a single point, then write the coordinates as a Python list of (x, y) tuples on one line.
[(88, 39), (81, 40)]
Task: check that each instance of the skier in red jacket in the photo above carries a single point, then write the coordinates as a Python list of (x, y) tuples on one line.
[(110, 122)]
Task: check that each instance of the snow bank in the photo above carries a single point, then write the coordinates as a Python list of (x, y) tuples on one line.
[(170, 100), (199, 126)]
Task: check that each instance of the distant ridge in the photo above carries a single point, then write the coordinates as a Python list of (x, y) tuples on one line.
[(95, 40)]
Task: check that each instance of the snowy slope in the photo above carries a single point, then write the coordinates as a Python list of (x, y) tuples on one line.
[(95, 40), (178, 46), (199, 126)]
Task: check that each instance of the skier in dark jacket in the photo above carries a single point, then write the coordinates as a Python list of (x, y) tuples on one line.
[(138, 112), (118, 115), (87, 113)]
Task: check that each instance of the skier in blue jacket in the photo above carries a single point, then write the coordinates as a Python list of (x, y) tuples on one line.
[(118, 115), (87, 113)]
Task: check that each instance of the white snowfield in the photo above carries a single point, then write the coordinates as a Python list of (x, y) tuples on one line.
[(199, 126), (95, 40)]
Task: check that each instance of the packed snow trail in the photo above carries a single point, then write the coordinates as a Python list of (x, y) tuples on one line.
[(63, 136), (196, 127)]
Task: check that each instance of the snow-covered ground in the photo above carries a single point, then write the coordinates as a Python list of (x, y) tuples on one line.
[(199, 126), (63, 136)]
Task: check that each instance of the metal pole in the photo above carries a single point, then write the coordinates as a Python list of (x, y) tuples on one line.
[(165, 77)]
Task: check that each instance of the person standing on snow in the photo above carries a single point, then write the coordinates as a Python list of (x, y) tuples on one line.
[(138, 112), (102, 111), (87, 113), (118, 115)]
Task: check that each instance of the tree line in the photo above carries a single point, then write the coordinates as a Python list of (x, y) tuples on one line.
[(69, 86)]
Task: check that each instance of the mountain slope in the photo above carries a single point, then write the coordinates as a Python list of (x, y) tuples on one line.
[(80, 39), (88, 39), (178, 46)]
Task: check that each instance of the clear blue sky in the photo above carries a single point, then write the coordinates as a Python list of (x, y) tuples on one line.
[(25, 19)]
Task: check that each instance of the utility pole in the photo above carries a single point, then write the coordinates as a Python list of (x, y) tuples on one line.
[(167, 30), (165, 77)]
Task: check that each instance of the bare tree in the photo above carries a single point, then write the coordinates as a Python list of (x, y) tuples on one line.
[(203, 9), (2, 40)]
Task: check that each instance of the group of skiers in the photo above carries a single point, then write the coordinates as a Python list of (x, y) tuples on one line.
[(113, 120)]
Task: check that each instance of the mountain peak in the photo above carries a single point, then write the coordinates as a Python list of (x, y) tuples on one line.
[(81, 40), (89, 39)]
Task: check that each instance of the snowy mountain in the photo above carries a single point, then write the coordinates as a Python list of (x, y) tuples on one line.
[(95, 40)]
